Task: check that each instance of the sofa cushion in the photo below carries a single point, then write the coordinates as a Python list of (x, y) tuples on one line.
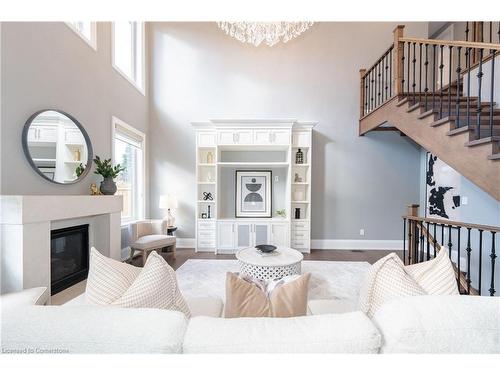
[(334, 333), (153, 241), (205, 306), (26, 297), (387, 279), (435, 276), (108, 279), (331, 306), (155, 287), (92, 329), (440, 324)]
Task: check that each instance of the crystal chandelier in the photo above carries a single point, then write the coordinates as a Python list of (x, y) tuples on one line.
[(268, 32)]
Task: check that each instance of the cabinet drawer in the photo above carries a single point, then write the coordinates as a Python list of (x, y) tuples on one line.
[(281, 137), (204, 225), (206, 243), (206, 234), (235, 137), (300, 235), (300, 244), (300, 225)]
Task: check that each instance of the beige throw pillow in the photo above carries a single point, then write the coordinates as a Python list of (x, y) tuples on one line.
[(108, 279), (155, 287), (251, 298), (435, 276), (386, 280)]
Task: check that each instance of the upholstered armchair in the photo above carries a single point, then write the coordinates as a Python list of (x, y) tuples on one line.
[(149, 235)]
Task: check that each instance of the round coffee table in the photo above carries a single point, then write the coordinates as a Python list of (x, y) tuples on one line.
[(276, 265)]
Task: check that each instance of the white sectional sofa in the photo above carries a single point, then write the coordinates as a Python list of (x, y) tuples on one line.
[(425, 324)]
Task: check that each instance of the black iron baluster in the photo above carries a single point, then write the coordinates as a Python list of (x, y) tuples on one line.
[(428, 242), (458, 257), (410, 222), (459, 70), (434, 240), (493, 256), (450, 244), (404, 240), (433, 76), (469, 250), (480, 259), (467, 57), (419, 72), (442, 234), (379, 83), (386, 77), (491, 32), (426, 64), (498, 32), (415, 235), (414, 61), (480, 79), (372, 87), (450, 50), (492, 84), (409, 58), (390, 73), (467, 31), (441, 66), (422, 241), (365, 80)]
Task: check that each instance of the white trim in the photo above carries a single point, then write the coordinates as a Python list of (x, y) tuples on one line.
[(357, 244), (142, 89), (116, 121), (185, 243), (93, 34)]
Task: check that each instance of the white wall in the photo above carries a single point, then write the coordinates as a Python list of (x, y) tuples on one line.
[(199, 73)]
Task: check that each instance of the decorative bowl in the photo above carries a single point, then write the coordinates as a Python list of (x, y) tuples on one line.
[(266, 248)]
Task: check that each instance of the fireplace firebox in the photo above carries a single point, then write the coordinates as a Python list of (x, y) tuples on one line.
[(69, 257)]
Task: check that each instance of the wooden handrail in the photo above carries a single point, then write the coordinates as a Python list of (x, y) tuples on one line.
[(453, 43), (488, 228)]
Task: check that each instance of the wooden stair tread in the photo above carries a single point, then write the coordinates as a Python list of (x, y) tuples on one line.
[(494, 157), (473, 129), (482, 141)]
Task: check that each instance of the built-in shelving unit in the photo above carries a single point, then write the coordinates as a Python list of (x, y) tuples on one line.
[(224, 146)]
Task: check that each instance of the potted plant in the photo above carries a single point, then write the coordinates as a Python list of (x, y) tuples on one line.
[(109, 173)]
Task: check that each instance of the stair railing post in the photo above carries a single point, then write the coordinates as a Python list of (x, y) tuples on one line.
[(398, 62), (412, 250), (362, 94)]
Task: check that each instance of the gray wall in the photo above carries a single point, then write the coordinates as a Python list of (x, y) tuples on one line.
[(46, 65), (199, 73)]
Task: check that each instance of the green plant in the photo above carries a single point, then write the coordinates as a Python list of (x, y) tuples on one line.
[(281, 213), (105, 169), (79, 170)]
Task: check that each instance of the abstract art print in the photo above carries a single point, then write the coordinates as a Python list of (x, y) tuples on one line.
[(253, 194), (442, 189)]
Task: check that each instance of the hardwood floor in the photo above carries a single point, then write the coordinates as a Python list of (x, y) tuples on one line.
[(370, 256)]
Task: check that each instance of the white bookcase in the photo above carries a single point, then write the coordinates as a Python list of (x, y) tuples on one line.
[(224, 146)]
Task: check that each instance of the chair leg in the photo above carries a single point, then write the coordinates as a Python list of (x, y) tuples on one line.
[(174, 248), (131, 257), (144, 257)]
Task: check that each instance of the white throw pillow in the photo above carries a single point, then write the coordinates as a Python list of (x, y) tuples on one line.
[(386, 280), (108, 279), (435, 276), (155, 287)]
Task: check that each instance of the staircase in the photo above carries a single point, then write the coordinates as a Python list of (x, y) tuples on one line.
[(407, 90)]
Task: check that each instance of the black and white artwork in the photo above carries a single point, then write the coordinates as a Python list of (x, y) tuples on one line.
[(442, 189), (253, 194)]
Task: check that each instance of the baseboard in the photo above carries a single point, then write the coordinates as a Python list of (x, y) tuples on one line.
[(326, 244), (357, 244), (183, 243)]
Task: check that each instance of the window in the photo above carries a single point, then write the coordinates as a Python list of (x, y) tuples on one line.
[(129, 151), (86, 31), (128, 51)]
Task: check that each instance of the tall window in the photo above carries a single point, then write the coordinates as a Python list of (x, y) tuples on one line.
[(86, 31), (128, 51), (129, 151)]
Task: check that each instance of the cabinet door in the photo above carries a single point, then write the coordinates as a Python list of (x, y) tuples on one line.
[(301, 139), (225, 236), (243, 235), (47, 134), (262, 137), (279, 234), (281, 137), (244, 137), (261, 234), (206, 139), (226, 137)]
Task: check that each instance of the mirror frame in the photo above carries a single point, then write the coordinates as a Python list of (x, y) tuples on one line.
[(90, 153)]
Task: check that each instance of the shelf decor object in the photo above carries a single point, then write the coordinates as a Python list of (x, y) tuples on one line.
[(270, 33), (244, 213), (168, 202), (299, 157)]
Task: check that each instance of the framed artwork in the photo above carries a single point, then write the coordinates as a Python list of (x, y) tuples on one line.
[(253, 194), (442, 190)]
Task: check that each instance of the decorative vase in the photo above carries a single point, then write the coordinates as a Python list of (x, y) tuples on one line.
[(108, 186), (299, 157), (297, 213), (210, 158)]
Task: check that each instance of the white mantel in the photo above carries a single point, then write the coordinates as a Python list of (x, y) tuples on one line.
[(26, 222)]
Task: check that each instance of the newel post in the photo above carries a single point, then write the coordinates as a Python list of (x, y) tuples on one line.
[(397, 60), (362, 93), (412, 232)]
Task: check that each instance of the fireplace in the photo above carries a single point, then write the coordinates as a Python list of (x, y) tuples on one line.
[(69, 256)]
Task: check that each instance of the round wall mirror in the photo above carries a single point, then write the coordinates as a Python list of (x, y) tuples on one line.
[(57, 146)]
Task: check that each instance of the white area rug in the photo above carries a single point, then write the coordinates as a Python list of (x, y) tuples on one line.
[(329, 280)]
